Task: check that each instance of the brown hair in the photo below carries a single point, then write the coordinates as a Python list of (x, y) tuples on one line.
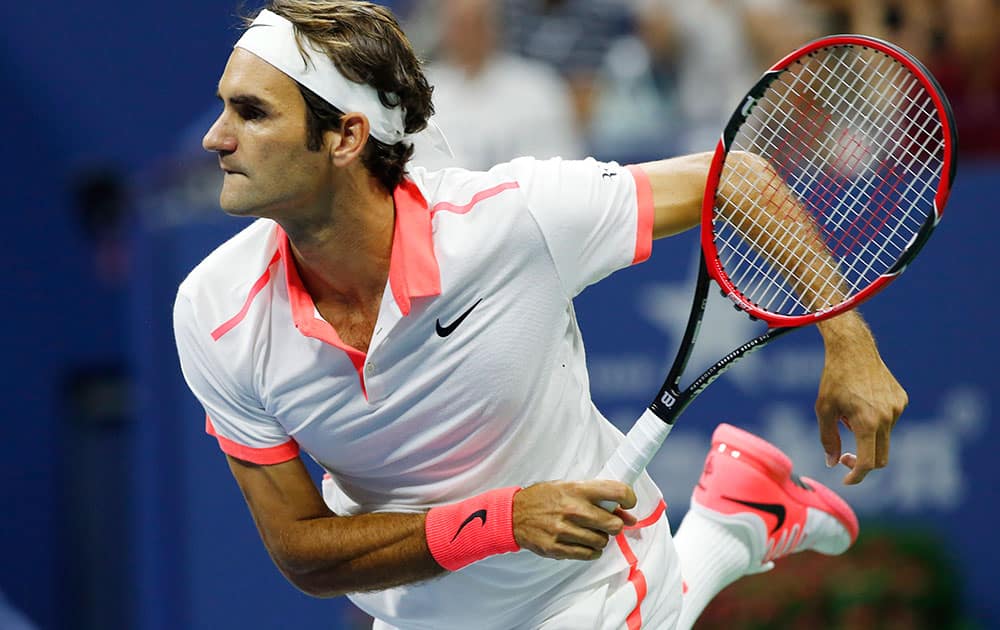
[(368, 46)]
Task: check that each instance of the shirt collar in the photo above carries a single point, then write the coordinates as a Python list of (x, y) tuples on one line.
[(413, 267)]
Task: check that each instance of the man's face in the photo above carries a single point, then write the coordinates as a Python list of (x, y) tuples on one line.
[(260, 137)]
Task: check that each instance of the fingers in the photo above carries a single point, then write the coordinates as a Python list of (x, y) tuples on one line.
[(600, 490), (872, 440), (864, 462), (882, 445), (579, 539), (829, 434), (870, 417), (564, 519), (627, 518)]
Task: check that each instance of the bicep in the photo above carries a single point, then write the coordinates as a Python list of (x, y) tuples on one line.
[(278, 495), (678, 186)]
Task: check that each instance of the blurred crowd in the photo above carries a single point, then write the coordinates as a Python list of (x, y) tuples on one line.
[(641, 79)]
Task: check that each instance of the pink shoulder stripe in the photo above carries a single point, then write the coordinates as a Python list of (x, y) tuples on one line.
[(254, 290), (644, 224), (482, 195), (263, 456)]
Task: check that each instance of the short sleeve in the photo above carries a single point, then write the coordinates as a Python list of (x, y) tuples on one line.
[(233, 416), (595, 217)]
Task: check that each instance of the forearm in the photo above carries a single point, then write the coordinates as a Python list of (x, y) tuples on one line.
[(769, 217), (846, 332), (333, 555), (324, 554)]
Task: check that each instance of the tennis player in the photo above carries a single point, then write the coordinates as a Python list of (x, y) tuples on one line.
[(413, 332)]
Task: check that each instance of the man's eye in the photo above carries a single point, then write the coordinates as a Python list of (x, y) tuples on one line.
[(251, 114)]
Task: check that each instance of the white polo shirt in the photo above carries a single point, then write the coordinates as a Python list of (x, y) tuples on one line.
[(475, 377)]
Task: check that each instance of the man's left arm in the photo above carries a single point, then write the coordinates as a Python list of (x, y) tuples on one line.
[(856, 386)]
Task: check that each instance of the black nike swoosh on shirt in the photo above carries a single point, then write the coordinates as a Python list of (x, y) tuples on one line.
[(776, 509), (445, 330), (480, 514)]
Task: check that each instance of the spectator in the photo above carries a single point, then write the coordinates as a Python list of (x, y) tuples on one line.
[(909, 24), (969, 74), (637, 103), (722, 47), (494, 106), (573, 36)]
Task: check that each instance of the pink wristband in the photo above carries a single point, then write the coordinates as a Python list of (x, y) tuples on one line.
[(465, 532)]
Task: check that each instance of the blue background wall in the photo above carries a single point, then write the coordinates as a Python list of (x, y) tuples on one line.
[(110, 523), (83, 84)]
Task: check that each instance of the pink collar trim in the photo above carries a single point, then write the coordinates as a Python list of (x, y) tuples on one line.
[(413, 267)]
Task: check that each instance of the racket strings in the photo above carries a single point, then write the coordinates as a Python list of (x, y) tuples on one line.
[(862, 225), (854, 149), (827, 193), (886, 198), (753, 269), (866, 124), (893, 104)]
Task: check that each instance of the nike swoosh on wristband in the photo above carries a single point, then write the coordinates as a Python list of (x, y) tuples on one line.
[(445, 330), (480, 514), (776, 509)]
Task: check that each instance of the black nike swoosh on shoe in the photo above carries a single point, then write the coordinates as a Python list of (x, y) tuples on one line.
[(445, 330), (798, 481), (480, 514), (776, 509)]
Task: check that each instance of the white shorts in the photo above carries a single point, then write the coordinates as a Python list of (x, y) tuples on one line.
[(647, 594)]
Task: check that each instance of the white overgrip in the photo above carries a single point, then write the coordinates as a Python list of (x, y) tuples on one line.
[(635, 451)]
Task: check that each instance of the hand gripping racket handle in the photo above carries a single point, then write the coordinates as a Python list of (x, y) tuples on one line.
[(635, 452)]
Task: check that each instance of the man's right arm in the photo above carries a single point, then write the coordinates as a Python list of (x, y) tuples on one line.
[(323, 554), (326, 555)]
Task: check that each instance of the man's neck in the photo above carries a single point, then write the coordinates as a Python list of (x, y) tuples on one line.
[(342, 252)]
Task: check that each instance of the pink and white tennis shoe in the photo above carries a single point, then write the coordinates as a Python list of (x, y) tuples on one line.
[(747, 484)]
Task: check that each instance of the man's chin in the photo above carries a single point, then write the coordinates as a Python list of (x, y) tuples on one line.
[(236, 210), (231, 204)]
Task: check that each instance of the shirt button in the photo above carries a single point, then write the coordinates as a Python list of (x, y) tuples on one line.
[(369, 369)]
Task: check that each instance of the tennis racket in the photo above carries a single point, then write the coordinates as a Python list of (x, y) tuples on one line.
[(828, 179)]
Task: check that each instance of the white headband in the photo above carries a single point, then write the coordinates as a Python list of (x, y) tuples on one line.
[(276, 44)]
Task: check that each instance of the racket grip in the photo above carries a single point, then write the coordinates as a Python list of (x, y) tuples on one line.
[(635, 452)]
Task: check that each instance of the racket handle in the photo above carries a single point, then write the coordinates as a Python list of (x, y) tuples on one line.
[(635, 452)]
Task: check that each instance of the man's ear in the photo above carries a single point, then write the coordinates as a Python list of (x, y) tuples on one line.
[(347, 143)]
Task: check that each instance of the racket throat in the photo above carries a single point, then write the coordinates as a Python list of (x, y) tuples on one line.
[(669, 404)]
